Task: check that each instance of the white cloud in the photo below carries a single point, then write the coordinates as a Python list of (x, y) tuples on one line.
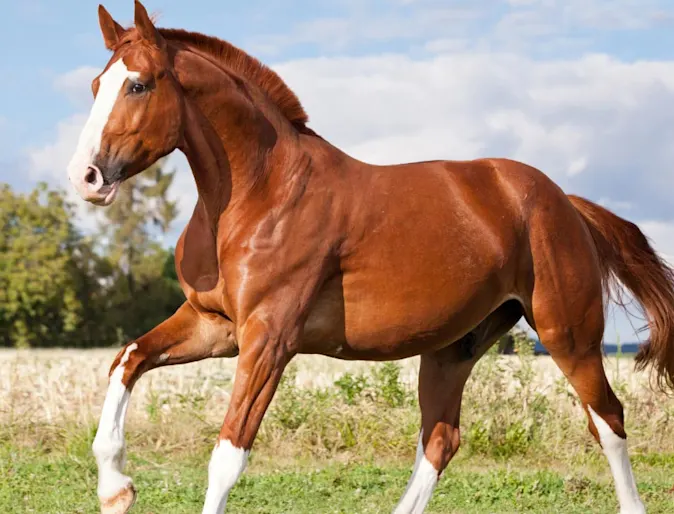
[(615, 14), (594, 124), (183, 190), (544, 17), (661, 234), (48, 164), (447, 45), (529, 26), (50, 161), (615, 206), (340, 32), (76, 85)]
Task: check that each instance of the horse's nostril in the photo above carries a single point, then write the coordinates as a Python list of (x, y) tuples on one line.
[(90, 177)]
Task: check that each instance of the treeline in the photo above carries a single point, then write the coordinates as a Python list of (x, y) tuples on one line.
[(62, 287)]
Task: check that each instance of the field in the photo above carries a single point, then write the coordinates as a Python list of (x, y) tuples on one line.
[(338, 438)]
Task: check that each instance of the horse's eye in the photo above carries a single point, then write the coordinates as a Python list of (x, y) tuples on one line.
[(138, 88)]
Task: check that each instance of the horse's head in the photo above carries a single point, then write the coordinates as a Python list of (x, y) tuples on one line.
[(137, 116)]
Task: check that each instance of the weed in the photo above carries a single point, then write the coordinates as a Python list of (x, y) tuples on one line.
[(387, 386), (350, 387)]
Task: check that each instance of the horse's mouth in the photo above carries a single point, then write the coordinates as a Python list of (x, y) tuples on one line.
[(108, 193)]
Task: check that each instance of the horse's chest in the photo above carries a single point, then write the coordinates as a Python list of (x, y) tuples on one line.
[(198, 269)]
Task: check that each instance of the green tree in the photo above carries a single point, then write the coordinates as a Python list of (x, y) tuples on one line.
[(143, 293), (46, 270), (60, 288)]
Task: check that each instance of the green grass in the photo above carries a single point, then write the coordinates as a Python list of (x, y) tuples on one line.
[(40, 481)]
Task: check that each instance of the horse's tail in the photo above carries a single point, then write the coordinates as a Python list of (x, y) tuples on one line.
[(626, 254)]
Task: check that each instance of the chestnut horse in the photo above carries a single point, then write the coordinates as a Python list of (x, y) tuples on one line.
[(296, 247)]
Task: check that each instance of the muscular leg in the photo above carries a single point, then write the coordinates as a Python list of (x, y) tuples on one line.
[(184, 337), (265, 352), (568, 312), (577, 352), (442, 376)]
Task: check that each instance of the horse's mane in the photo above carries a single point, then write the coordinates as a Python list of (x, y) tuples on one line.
[(249, 68), (246, 66)]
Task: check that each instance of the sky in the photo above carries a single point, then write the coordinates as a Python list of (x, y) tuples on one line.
[(581, 89)]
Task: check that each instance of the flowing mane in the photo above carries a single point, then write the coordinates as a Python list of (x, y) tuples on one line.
[(248, 67), (243, 64)]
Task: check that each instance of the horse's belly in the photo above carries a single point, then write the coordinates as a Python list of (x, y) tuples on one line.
[(366, 324), (385, 328)]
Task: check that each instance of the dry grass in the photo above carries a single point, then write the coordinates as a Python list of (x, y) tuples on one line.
[(512, 406), (55, 386)]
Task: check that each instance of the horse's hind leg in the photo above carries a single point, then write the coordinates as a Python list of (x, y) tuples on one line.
[(576, 349), (567, 311), (442, 376)]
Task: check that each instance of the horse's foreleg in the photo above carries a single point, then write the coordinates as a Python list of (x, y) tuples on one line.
[(264, 354), (442, 377), (184, 337)]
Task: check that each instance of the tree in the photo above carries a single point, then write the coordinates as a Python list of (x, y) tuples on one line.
[(60, 288), (142, 294), (45, 268)]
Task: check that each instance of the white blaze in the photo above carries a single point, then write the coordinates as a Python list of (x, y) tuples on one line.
[(615, 449), (89, 144)]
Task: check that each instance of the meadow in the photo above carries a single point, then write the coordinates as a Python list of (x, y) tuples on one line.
[(339, 437)]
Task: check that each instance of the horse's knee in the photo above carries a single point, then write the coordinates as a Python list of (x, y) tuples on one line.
[(109, 447), (130, 363), (123, 356)]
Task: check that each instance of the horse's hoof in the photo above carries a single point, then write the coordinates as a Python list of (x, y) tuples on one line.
[(121, 503)]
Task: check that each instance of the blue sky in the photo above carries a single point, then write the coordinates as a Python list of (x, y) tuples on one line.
[(582, 89)]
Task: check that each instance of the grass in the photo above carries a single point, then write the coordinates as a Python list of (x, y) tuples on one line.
[(339, 437), (38, 481)]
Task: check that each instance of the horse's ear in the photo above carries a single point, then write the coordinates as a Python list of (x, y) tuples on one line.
[(112, 31), (146, 28)]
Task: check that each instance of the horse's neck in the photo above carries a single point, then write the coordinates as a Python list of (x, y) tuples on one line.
[(232, 148), (239, 146), (209, 163)]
